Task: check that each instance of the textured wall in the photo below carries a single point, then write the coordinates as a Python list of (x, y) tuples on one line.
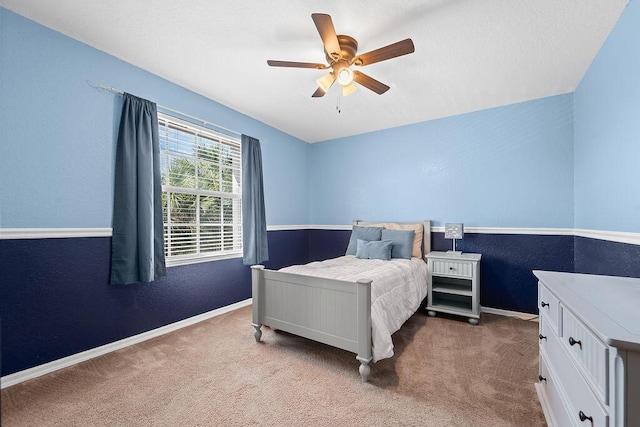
[(506, 280), (607, 132), (57, 155), (58, 133), (594, 256), (510, 166), (56, 300)]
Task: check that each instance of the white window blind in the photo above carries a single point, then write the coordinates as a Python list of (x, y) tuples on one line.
[(201, 192)]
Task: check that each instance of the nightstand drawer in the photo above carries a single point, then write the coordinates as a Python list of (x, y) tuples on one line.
[(453, 268), (548, 305), (589, 352)]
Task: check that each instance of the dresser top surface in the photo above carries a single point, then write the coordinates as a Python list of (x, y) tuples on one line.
[(609, 305)]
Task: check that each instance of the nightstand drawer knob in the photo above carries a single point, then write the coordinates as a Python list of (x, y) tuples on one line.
[(542, 337), (583, 417), (573, 342), (544, 304), (451, 268), (541, 378)]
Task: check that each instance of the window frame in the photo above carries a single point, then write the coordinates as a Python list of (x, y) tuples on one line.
[(235, 195)]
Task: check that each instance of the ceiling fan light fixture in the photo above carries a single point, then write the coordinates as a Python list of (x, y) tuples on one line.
[(348, 89), (326, 81), (345, 76)]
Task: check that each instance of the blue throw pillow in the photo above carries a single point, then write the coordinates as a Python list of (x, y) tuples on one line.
[(402, 242), (364, 233), (380, 249)]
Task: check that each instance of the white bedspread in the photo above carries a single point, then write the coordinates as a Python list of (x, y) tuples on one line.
[(398, 287)]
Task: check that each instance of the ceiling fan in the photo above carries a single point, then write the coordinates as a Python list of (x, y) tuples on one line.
[(340, 51)]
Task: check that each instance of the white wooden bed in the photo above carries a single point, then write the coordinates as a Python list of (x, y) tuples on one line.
[(329, 311)]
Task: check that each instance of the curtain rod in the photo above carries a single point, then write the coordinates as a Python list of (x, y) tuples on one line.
[(102, 86)]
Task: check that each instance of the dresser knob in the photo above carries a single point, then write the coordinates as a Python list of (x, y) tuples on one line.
[(583, 417), (544, 304), (450, 268), (542, 337), (573, 342), (541, 378)]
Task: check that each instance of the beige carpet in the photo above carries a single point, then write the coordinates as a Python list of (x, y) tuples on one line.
[(445, 373)]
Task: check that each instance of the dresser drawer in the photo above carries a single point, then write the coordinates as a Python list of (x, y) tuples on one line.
[(591, 355), (581, 397), (547, 333), (453, 268), (549, 306), (553, 401), (562, 373)]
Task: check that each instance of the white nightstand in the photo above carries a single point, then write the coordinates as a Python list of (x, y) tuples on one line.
[(454, 284)]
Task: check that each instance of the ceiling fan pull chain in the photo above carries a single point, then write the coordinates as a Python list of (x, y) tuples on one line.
[(338, 105)]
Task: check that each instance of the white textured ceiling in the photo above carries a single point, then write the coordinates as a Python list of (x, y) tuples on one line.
[(470, 54)]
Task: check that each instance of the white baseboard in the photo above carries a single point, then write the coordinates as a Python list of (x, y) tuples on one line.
[(36, 371), (509, 313)]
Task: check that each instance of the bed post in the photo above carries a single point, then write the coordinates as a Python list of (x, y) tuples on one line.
[(426, 238), (364, 327), (256, 293)]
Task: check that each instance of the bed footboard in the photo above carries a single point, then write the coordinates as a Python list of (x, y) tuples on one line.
[(333, 312)]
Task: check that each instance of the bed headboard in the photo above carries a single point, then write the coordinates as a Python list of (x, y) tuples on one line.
[(426, 228)]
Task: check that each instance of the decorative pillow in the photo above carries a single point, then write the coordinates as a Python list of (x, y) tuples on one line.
[(364, 233), (418, 227), (402, 242), (380, 249)]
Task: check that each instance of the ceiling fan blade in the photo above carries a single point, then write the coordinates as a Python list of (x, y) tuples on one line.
[(296, 64), (394, 50), (325, 27), (318, 93), (370, 83)]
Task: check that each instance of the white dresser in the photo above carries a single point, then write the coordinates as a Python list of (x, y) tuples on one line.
[(589, 349)]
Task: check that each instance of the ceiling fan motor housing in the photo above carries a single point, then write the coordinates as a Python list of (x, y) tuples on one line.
[(348, 49)]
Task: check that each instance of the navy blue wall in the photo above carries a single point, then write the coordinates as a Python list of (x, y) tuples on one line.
[(594, 256), (506, 280), (325, 244), (505, 270), (287, 247), (56, 300)]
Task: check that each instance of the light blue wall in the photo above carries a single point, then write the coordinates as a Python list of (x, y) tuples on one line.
[(607, 132), (510, 166), (58, 133)]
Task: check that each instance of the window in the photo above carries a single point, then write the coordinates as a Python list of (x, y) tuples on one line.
[(201, 192)]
